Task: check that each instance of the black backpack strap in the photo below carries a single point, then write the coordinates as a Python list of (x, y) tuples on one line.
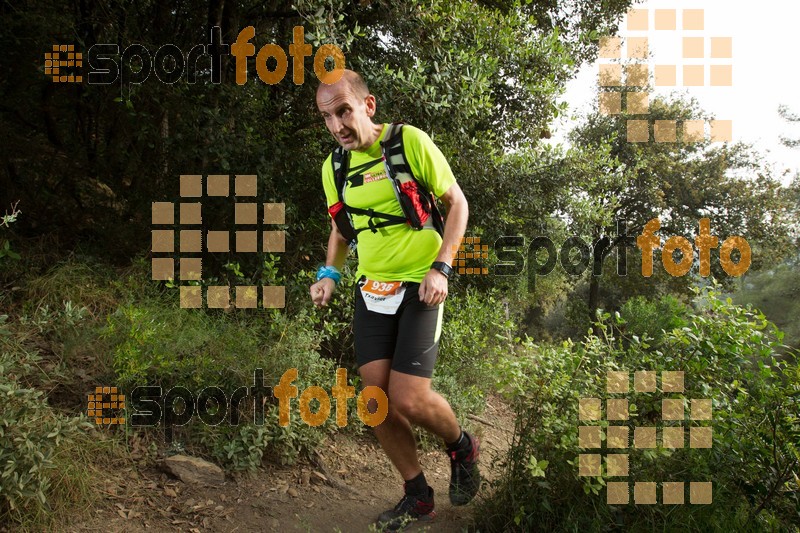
[(398, 169), (340, 159), (394, 151), (389, 220)]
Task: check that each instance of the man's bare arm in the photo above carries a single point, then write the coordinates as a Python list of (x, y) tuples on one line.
[(433, 289), (457, 216), (322, 291), (337, 248)]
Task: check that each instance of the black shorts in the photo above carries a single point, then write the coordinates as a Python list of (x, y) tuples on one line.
[(410, 338)]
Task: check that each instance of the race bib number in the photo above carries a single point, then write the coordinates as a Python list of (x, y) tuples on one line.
[(383, 297)]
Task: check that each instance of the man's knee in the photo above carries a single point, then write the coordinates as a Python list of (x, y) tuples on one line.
[(410, 406), (376, 374)]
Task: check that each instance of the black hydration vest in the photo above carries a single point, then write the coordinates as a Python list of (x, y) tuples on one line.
[(418, 204)]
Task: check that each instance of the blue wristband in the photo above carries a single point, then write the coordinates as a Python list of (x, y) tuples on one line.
[(329, 272)]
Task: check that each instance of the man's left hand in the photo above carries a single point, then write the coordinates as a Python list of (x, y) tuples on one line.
[(433, 289)]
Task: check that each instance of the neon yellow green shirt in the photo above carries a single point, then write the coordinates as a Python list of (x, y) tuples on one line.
[(396, 252)]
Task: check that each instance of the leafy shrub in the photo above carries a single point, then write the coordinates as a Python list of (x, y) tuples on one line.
[(245, 446), (86, 284), (728, 354), (475, 332), (777, 292), (152, 341), (647, 318), (31, 437), (56, 323), (162, 345), (334, 323), (5, 245)]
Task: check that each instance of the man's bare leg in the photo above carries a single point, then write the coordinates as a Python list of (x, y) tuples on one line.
[(394, 433), (413, 397)]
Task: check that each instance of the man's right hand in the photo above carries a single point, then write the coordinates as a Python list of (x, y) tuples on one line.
[(322, 291)]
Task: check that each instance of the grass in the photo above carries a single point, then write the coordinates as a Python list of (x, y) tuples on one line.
[(80, 323)]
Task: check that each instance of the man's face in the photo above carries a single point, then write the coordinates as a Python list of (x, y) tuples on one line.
[(347, 116)]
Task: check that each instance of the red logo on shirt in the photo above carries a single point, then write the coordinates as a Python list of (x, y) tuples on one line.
[(369, 178)]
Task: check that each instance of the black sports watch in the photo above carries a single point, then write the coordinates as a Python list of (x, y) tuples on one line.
[(443, 267)]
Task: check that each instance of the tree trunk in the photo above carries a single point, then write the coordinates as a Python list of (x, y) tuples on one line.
[(594, 296)]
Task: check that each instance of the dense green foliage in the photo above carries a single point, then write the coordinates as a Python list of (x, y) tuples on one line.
[(442, 66), (728, 354), (777, 292), (114, 330), (78, 309), (29, 436), (615, 181), (47, 458)]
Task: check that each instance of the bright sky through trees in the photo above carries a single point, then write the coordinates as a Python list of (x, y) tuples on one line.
[(764, 66)]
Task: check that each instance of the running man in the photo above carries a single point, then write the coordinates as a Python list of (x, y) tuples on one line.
[(403, 274)]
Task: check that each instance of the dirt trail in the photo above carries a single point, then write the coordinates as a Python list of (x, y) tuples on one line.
[(298, 498)]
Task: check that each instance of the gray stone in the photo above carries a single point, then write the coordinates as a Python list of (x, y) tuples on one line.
[(193, 470)]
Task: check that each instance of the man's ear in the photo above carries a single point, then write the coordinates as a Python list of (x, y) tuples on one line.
[(372, 105)]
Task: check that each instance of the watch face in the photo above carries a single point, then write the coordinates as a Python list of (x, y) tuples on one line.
[(442, 267)]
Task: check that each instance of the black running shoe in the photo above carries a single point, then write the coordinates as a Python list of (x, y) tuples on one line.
[(410, 509), (465, 479)]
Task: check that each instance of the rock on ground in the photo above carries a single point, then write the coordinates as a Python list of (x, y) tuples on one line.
[(193, 470)]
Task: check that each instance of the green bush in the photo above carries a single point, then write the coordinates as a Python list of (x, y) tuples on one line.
[(647, 318), (728, 354), (152, 341), (31, 437), (87, 284), (334, 323), (156, 344), (475, 333), (777, 292), (5, 245)]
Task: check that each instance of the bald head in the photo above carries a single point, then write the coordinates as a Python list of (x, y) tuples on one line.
[(348, 108), (349, 79)]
